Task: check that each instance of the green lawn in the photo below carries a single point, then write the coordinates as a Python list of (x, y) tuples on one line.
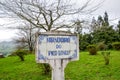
[(87, 68)]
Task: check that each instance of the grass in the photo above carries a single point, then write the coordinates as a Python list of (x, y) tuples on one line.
[(93, 68), (11, 68), (87, 68)]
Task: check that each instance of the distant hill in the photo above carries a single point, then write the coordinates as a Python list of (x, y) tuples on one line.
[(7, 47)]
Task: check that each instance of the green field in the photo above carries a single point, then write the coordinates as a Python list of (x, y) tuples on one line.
[(87, 68)]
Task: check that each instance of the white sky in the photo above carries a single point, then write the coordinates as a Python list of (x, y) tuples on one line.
[(111, 6), (5, 33)]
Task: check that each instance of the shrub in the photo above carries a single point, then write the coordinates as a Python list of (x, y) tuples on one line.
[(46, 69), (109, 46), (92, 49), (101, 46), (83, 45), (1, 56), (20, 53), (106, 56), (116, 45)]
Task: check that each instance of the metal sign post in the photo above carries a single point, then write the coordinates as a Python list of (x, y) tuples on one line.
[(57, 49)]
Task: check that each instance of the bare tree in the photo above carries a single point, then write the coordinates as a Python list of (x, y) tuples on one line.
[(26, 36), (46, 14)]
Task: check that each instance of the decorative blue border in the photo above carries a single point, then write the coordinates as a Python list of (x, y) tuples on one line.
[(74, 38), (41, 38), (74, 54), (41, 56)]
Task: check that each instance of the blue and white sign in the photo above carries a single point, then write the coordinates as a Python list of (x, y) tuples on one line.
[(57, 47)]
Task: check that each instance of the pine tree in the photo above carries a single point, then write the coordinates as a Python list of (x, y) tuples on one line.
[(118, 30), (118, 27), (106, 22), (93, 25), (100, 21)]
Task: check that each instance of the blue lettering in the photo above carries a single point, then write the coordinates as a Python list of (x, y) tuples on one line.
[(58, 53), (58, 39), (63, 53), (58, 46), (52, 53)]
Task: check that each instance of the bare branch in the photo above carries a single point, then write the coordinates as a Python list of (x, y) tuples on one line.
[(46, 14)]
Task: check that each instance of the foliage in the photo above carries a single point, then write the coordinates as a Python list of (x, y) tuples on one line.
[(106, 56), (118, 30), (116, 45), (83, 45), (46, 68), (101, 46), (84, 41), (104, 34), (92, 49), (106, 22), (20, 53), (100, 31)]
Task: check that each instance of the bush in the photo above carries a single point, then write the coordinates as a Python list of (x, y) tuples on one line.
[(109, 46), (101, 46), (46, 69), (83, 45), (92, 49), (1, 56), (106, 56), (116, 45), (20, 53)]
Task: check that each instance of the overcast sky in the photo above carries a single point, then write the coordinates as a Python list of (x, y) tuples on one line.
[(111, 6)]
